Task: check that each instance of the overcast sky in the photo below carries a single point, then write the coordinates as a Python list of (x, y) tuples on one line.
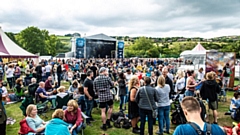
[(155, 18)]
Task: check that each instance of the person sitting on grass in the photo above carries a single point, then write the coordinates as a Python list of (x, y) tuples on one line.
[(73, 117), (192, 110), (57, 126), (235, 102), (73, 87), (19, 88), (61, 92), (33, 120)]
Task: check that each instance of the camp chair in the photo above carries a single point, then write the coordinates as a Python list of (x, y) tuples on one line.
[(20, 93), (84, 116), (27, 101), (60, 102), (42, 108), (32, 89)]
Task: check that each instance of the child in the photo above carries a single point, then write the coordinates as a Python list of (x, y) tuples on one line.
[(81, 98)]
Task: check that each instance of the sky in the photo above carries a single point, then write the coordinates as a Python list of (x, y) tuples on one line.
[(151, 18)]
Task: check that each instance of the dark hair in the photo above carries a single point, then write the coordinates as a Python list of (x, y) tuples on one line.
[(89, 72), (128, 70), (121, 75), (81, 89), (147, 80), (190, 72), (236, 94)]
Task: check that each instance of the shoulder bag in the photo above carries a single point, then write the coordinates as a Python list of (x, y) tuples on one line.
[(154, 112)]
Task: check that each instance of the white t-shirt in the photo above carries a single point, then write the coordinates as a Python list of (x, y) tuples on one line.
[(200, 76), (10, 72), (128, 76), (48, 68), (5, 92)]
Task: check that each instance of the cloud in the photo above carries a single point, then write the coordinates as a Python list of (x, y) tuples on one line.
[(134, 18)]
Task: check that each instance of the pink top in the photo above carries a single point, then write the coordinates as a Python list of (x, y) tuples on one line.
[(75, 118), (193, 82)]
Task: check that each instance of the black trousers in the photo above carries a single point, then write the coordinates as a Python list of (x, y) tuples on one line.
[(3, 128)]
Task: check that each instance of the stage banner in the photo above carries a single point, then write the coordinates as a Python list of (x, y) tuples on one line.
[(216, 61), (80, 42), (120, 48)]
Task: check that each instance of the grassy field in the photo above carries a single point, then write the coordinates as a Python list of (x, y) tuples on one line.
[(14, 112)]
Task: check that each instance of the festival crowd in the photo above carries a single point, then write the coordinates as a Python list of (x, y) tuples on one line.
[(145, 89)]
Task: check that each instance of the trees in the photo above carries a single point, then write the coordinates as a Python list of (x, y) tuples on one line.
[(35, 40), (142, 47)]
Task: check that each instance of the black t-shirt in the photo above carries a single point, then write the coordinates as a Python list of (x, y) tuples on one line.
[(89, 84), (227, 71)]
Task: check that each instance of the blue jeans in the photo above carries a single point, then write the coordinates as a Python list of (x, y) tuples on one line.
[(163, 116), (122, 101), (128, 94), (189, 93), (76, 130), (143, 114), (89, 107), (48, 74)]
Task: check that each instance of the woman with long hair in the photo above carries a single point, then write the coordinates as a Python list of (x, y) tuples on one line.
[(180, 83), (163, 105), (133, 109)]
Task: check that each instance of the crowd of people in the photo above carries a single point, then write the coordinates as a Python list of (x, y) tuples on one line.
[(145, 88)]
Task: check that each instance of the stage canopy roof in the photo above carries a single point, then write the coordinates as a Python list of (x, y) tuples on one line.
[(101, 36), (197, 50), (9, 49)]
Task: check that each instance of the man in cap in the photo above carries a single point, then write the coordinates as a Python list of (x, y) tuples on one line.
[(101, 86)]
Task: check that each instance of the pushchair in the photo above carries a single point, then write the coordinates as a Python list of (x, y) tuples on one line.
[(177, 112)]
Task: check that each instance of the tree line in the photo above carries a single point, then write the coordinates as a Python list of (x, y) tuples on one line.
[(35, 41)]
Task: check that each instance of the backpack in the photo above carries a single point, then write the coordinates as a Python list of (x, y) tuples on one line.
[(116, 115), (24, 128), (122, 122), (203, 112), (126, 124), (199, 131)]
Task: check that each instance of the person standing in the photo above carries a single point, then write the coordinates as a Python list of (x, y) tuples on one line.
[(133, 109), (59, 73), (167, 81), (3, 117), (191, 83), (122, 90), (94, 69), (163, 105), (209, 91), (102, 85), (48, 69), (226, 75), (10, 76), (146, 98), (38, 70), (89, 95)]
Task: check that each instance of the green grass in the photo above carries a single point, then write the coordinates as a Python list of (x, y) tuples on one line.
[(14, 112)]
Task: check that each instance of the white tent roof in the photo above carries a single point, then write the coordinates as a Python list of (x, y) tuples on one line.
[(10, 49), (197, 50)]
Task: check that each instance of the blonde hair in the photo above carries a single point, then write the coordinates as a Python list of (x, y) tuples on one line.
[(180, 74), (133, 81), (210, 76), (161, 81), (61, 89), (74, 104), (30, 108), (59, 113)]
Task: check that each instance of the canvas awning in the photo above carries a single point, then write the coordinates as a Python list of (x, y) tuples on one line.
[(9, 49)]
